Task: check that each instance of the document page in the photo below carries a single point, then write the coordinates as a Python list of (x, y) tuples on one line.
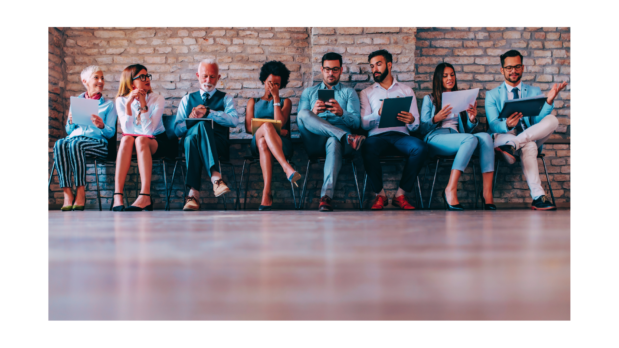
[(460, 100), (82, 110)]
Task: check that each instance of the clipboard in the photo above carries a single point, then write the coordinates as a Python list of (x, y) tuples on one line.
[(326, 94), (391, 108), (529, 107), (82, 109), (190, 122), (257, 122)]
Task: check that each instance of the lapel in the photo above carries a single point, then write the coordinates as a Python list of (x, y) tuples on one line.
[(502, 96), (525, 90)]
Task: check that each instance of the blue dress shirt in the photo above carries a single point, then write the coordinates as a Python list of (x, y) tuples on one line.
[(345, 96), (107, 112)]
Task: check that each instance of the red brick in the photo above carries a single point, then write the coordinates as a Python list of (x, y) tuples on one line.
[(459, 35), (435, 51), (552, 36), (512, 35), (430, 35), (323, 31), (459, 60), (468, 52), (349, 31), (540, 36), (374, 30), (446, 43)]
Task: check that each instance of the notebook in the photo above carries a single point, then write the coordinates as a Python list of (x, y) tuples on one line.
[(257, 122)]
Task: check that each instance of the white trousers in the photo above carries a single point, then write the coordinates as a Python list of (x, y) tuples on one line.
[(527, 144)]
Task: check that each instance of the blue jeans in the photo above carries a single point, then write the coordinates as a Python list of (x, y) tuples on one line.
[(448, 142), (414, 149), (319, 135)]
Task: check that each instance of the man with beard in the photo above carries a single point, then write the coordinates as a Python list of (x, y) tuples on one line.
[(518, 136), (394, 140), (328, 124), (204, 145)]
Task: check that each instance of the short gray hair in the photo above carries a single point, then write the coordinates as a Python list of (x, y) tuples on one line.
[(209, 61), (88, 72)]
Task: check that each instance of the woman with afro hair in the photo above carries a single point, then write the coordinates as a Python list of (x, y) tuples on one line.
[(267, 143)]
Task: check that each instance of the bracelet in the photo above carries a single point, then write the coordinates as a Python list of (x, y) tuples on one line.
[(277, 104)]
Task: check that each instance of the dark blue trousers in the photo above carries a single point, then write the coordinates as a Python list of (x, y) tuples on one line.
[(393, 143)]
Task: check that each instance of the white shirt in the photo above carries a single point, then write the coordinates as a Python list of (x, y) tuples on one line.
[(151, 122), (371, 99), (451, 122), (510, 96)]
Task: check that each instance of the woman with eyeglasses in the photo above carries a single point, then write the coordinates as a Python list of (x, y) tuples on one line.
[(449, 134), (84, 140), (267, 143), (140, 113)]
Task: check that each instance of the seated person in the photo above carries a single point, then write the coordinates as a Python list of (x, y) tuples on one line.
[(395, 139), (446, 135), (328, 124), (266, 142), (70, 152), (518, 136), (204, 145), (139, 111)]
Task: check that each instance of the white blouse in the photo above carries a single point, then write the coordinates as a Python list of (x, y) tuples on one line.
[(151, 122)]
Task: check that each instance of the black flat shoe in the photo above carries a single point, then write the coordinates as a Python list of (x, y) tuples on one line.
[(118, 207), (485, 206), (457, 207), (146, 208)]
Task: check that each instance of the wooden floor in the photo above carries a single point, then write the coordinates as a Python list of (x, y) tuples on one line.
[(509, 264)]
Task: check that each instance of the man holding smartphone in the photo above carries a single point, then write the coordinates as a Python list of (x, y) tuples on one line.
[(328, 124), (518, 136)]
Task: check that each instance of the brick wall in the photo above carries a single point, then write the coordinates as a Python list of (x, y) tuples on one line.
[(172, 55), (474, 53)]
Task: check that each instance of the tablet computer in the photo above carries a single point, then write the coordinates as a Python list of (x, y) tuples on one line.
[(529, 107), (326, 94), (391, 108)]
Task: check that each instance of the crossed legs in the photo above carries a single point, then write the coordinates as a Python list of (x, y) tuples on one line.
[(270, 146)]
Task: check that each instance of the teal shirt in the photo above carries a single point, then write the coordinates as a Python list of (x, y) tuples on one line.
[(107, 112), (345, 96)]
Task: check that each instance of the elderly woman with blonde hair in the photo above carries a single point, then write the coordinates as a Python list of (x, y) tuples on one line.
[(84, 140)]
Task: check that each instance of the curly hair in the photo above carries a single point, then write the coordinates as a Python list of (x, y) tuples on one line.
[(275, 68)]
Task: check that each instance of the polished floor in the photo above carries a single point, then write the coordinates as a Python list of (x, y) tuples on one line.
[(282, 265)]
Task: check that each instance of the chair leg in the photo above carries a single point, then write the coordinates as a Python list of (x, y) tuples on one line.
[(223, 196), (165, 176), (247, 184), (236, 187), (548, 181), (365, 182), (238, 201), (307, 170), (496, 174), (354, 172), (475, 182), (51, 174), (184, 183), (433, 181), (169, 191), (98, 190), (419, 189)]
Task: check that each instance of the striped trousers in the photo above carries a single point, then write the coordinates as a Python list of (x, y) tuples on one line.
[(70, 156)]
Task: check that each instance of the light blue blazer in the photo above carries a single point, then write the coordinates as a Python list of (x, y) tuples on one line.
[(427, 113), (495, 99)]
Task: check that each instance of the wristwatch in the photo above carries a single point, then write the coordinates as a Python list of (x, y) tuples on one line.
[(145, 108)]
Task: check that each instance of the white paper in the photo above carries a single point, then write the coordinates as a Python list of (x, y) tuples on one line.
[(460, 100), (82, 110)]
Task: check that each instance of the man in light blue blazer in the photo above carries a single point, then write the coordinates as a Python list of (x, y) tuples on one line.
[(517, 135)]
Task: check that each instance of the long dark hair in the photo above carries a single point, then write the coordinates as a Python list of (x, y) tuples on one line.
[(437, 85)]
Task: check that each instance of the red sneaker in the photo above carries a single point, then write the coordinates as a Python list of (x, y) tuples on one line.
[(401, 202), (379, 202), (355, 141)]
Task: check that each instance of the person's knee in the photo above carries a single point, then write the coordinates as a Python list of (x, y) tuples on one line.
[(529, 148), (418, 149), (262, 144), (469, 139), (303, 114), (142, 143), (553, 121), (127, 141)]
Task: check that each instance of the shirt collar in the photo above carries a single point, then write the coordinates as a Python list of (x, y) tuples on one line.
[(338, 86), (210, 94), (395, 82), (101, 100), (509, 88)]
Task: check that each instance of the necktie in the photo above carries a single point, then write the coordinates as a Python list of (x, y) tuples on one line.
[(520, 126), (204, 98)]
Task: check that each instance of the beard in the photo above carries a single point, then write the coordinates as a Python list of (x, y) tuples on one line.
[(513, 80), (382, 76), (335, 82), (207, 87)]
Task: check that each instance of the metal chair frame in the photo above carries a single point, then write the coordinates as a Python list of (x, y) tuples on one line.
[(253, 160), (392, 159), (451, 158), (539, 155), (318, 159)]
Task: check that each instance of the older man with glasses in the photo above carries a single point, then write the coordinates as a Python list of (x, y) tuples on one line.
[(204, 145), (518, 136), (328, 123)]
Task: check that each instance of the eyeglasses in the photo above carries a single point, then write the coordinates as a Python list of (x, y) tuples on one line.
[(335, 70), (142, 77), (510, 68)]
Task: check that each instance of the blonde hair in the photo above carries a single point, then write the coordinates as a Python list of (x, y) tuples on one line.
[(88, 72), (126, 79)]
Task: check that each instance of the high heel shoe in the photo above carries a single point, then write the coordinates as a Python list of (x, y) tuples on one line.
[(67, 208), (457, 207), (119, 207), (78, 207), (294, 177), (146, 208), (485, 206), (266, 207)]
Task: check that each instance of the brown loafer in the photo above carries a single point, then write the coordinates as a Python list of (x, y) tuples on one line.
[(191, 204), (220, 188)]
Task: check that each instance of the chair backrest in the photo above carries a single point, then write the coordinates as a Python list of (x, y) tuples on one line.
[(112, 145)]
